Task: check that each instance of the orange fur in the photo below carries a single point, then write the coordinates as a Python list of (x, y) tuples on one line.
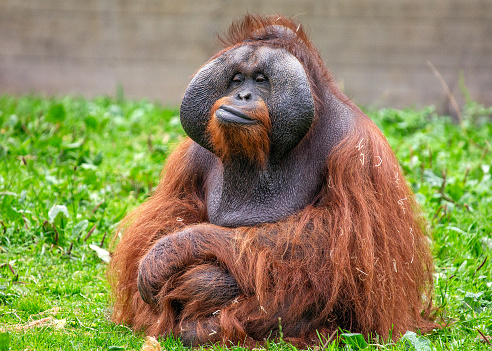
[(358, 258)]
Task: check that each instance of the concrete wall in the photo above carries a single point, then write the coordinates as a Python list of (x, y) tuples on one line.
[(378, 50)]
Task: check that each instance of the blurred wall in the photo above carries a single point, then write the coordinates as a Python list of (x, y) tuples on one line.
[(378, 50)]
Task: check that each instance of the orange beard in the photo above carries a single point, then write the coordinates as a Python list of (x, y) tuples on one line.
[(248, 140)]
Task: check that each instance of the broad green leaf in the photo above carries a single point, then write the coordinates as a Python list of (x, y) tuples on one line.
[(57, 210), (8, 193), (413, 342), (80, 227), (74, 145), (355, 340), (91, 122), (455, 229), (474, 300), (101, 253), (431, 178), (98, 158), (13, 120), (56, 114)]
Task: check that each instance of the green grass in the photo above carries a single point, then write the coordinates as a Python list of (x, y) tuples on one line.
[(71, 168)]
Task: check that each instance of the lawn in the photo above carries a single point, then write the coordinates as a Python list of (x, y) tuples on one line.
[(71, 168)]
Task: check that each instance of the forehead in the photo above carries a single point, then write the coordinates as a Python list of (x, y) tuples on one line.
[(249, 58)]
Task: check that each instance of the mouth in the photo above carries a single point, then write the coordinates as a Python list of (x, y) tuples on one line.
[(230, 115)]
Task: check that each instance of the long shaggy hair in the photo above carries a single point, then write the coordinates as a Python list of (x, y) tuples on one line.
[(358, 258)]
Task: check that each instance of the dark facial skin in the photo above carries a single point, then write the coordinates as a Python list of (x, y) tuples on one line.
[(238, 192), (284, 89), (244, 92)]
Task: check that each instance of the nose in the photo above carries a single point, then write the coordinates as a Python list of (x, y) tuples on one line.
[(244, 95)]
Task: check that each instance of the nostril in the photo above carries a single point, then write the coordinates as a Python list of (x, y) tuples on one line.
[(244, 95)]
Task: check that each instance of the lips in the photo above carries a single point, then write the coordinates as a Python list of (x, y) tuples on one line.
[(230, 115)]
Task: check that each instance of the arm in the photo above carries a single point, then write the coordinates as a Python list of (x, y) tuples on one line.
[(176, 253)]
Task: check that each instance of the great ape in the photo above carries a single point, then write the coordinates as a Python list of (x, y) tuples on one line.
[(285, 205)]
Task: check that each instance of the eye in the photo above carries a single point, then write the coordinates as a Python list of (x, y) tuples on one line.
[(238, 78), (260, 78)]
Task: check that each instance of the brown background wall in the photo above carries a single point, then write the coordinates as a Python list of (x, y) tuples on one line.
[(378, 50)]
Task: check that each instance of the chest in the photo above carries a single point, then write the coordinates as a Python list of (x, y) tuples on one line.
[(245, 197)]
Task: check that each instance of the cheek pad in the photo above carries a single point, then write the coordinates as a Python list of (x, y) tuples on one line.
[(291, 103), (208, 85)]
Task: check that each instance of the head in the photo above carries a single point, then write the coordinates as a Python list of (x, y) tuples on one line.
[(252, 100)]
